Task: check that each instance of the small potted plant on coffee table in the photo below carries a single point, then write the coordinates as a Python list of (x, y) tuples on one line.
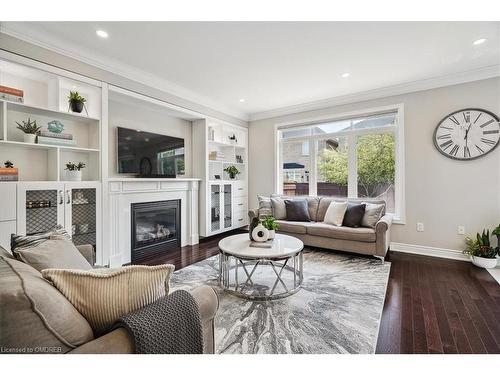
[(480, 250), (269, 222), (76, 102), (30, 130), (74, 171), (232, 171)]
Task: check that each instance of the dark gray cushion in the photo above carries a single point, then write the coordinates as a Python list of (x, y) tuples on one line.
[(297, 210), (353, 215)]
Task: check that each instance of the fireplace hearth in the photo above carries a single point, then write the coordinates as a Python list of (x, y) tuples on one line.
[(156, 228)]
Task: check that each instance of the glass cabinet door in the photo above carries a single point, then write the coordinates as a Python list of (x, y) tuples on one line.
[(228, 204), (215, 208), (42, 210), (83, 216)]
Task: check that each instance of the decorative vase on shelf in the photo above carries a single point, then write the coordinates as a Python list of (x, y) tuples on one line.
[(29, 138), (272, 234), (484, 262), (260, 233), (73, 175)]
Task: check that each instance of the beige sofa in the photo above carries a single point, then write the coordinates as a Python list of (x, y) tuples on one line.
[(368, 241), (36, 318)]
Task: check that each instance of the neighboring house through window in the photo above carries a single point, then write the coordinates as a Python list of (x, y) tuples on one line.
[(357, 155)]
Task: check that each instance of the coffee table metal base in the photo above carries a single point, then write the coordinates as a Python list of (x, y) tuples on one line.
[(245, 288)]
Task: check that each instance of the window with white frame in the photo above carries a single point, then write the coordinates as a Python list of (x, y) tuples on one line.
[(356, 156)]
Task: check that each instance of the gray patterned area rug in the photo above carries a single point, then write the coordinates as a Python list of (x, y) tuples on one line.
[(338, 309)]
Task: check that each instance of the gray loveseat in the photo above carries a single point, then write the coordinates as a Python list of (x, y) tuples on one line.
[(36, 318), (315, 233)]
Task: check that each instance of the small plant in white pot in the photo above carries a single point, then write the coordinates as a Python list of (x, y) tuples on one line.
[(30, 130), (271, 225), (480, 250), (74, 171)]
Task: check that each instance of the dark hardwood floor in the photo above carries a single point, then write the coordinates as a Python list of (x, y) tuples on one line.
[(432, 305), (437, 305)]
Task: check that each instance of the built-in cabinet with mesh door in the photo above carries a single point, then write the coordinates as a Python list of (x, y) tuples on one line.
[(215, 207), (83, 216), (228, 204), (41, 206)]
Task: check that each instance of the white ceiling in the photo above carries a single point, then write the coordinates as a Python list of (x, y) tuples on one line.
[(273, 64)]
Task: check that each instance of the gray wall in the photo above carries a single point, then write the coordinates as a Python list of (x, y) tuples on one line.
[(440, 192)]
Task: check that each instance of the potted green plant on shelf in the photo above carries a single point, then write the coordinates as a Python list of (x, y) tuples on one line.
[(76, 102), (480, 250), (269, 222), (74, 171), (30, 130), (232, 171)]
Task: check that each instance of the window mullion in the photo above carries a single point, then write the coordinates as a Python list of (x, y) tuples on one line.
[(352, 167), (313, 154)]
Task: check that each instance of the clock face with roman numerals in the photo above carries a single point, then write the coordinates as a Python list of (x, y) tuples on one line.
[(467, 134)]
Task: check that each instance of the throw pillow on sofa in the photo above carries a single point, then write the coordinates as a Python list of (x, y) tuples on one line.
[(297, 210), (55, 252), (335, 213), (265, 207), (353, 215), (373, 213), (104, 295), (18, 241), (279, 208)]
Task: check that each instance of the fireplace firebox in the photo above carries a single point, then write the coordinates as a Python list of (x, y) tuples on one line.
[(156, 228)]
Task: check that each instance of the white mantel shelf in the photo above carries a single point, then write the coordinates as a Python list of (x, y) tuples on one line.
[(138, 179)]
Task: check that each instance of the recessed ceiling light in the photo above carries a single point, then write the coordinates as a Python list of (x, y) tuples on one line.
[(346, 75), (479, 41), (242, 100), (102, 33)]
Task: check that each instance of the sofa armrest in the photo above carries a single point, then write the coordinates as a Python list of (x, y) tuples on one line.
[(383, 230), (119, 341), (253, 213), (88, 253)]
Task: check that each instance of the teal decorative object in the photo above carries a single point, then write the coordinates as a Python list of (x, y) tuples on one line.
[(55, 126)]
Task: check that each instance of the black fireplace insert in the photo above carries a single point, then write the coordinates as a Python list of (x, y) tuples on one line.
[(156, 228)]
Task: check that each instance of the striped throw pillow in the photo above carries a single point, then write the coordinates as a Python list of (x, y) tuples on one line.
[(104, 295), (265, 208), (20, 241)]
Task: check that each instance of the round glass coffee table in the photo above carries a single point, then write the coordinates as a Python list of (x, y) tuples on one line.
[(261, 273)]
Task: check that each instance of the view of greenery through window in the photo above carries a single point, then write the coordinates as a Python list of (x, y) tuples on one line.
[(374, 164)]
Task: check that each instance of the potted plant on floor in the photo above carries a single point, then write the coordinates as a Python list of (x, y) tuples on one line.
[(74, 171), (76, 102), (232, 171), (30, 130), (271, 225), (496, 232), (480, 250)]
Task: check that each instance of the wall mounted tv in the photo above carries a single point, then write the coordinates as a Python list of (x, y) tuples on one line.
[(149, 154)]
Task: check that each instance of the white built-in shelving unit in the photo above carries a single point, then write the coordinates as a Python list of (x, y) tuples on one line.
[(223, 201), (45, 100)]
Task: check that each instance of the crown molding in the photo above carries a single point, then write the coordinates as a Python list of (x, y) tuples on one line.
[(384, 92), (48, 41)]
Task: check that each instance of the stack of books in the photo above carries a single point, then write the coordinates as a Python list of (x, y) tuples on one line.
[(9, 174), (46, 137), (11, 94), (216, 155)]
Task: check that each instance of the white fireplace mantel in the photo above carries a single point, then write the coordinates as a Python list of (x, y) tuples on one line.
[(122, 192)]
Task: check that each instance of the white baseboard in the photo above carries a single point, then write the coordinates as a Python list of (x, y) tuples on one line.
[(429, 251)]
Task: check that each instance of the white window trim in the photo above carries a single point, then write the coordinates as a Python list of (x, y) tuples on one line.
[(399, 178)]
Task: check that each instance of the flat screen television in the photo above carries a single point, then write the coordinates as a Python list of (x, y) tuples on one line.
[(149, 155)]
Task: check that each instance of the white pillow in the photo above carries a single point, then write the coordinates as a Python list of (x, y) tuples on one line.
[(335, 213)]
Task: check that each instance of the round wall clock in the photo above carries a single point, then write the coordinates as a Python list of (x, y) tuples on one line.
[(467, 134)]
